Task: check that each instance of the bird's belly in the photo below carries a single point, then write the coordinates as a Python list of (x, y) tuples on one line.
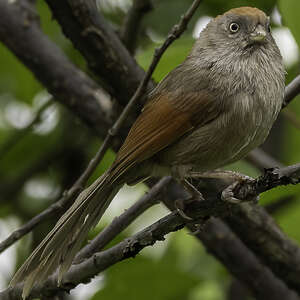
[(216, 144)]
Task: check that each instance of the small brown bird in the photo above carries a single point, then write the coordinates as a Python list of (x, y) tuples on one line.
[(211, 110)]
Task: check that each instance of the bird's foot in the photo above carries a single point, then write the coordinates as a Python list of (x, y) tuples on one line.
[(228, 193)]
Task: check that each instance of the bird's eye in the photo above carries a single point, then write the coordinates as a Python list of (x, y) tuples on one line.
[(234, 27)]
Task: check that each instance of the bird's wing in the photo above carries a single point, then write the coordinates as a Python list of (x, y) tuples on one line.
[(162, 121)]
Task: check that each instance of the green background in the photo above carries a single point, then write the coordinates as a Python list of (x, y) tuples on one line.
[(178, 268)]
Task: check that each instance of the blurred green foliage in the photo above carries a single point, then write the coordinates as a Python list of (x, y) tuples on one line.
[(290, 13), (167, 12), (153, 279), (184, 270)]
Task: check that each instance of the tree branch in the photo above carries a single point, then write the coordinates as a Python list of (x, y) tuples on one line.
[(124, 220), (105, 54), (199, 211), (174, 34), (241, 262), (271, 179), (258, 230), (131, 27), (58, 206), (291, 91), (261, 234), (20, 32), (262, 160), (219, 240)]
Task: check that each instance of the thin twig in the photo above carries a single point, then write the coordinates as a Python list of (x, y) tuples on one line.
[(17, 135), (31, 224), (63, 202), (272, 178), (175, 33), (123, 221)]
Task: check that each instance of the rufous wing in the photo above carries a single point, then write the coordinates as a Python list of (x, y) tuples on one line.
[(162, 121)]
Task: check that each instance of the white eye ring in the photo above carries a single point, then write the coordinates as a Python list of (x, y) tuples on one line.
[(234, 27)]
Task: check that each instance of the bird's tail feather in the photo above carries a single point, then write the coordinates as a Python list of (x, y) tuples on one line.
[(63, 242)]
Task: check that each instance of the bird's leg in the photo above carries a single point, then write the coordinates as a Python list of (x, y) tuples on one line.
[(236, 178), (195, 195), (220, 174)]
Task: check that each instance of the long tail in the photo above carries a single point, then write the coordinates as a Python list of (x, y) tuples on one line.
[(63, 242)]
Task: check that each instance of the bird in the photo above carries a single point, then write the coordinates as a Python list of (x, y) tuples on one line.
[(209, 111)]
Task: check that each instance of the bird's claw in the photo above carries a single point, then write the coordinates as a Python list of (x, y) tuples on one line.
[(179, 205), (228, 194)]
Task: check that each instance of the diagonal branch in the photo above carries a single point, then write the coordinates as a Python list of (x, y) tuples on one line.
[(20, 32), (174, 34), (105, 54), (123, 221), (291, 91), (262, 160), (218, 239), (261, 234), (61, 204), (132, 22), (84, 271), (241, 262)]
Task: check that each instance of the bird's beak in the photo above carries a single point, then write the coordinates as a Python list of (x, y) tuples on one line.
[(259, 34)]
